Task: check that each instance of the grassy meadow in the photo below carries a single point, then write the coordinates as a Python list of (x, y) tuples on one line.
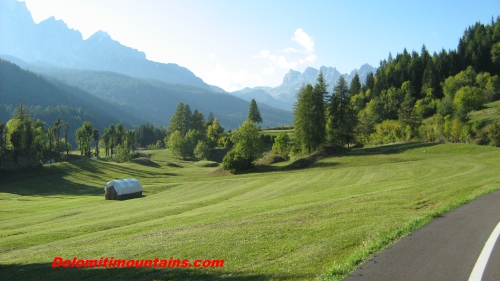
[(315, 223)]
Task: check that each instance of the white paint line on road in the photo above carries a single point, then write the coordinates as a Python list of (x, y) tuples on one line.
[(482, 261)]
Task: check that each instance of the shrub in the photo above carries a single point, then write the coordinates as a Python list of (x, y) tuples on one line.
[(248, 146), (270, 159), (388, 131), (235, 161), (281, 145), (121, 154)]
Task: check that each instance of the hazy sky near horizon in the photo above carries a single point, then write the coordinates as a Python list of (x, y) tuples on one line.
[(246, 43)]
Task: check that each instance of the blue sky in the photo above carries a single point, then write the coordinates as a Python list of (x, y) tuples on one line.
[(246, 43)]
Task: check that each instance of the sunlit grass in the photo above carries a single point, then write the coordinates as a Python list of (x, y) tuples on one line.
[(319, 222)]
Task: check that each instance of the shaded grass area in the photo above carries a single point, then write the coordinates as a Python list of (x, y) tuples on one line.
[(84, 177), (319, 222), (45, 272)]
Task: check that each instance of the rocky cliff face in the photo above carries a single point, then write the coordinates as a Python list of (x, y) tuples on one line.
[(293, 80)]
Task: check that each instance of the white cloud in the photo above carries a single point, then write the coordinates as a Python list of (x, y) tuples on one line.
[(274, 61), (303, 39), (291, 50), (265, 53), (281, 62), (211, 56), (232, 80), (269, 71), (311, 58), (290, 58)]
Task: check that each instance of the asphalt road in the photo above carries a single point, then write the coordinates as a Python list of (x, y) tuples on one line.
[(447, 248)]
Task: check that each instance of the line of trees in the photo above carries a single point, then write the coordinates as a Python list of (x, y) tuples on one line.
[(411, 97), (24, 141), (151, 137), (116, 141), (322, 118)]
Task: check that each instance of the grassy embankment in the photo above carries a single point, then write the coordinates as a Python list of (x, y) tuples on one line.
[(488, 115), (283, 225)]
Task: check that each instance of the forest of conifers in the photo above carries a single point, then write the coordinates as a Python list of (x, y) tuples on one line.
[(412, 96)]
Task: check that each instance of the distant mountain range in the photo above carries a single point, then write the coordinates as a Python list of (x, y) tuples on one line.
[(284, 96)]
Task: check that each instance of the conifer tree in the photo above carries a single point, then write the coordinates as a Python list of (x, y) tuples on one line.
[(318, 111), (253, 112), (406, 114), (342, 119), (355, 87), (303, 119), (369, 82), (181, 120), (198, 122), (210, 119)]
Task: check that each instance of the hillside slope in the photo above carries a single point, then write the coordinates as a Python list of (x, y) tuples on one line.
[(50, 99), (157, 101)]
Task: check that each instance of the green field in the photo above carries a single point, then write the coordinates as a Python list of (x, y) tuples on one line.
[(316, 223), (274, 133)]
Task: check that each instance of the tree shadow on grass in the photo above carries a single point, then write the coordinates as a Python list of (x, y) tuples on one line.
[(313, 160), (54, 179), (324, 164), (388, 149), (130, 172), (44, 271)]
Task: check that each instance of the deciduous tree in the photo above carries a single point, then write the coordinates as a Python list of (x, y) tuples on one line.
[(248, 147)]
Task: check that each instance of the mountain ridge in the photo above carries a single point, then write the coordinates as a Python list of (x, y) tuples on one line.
[(50, 98), (284, 95)]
